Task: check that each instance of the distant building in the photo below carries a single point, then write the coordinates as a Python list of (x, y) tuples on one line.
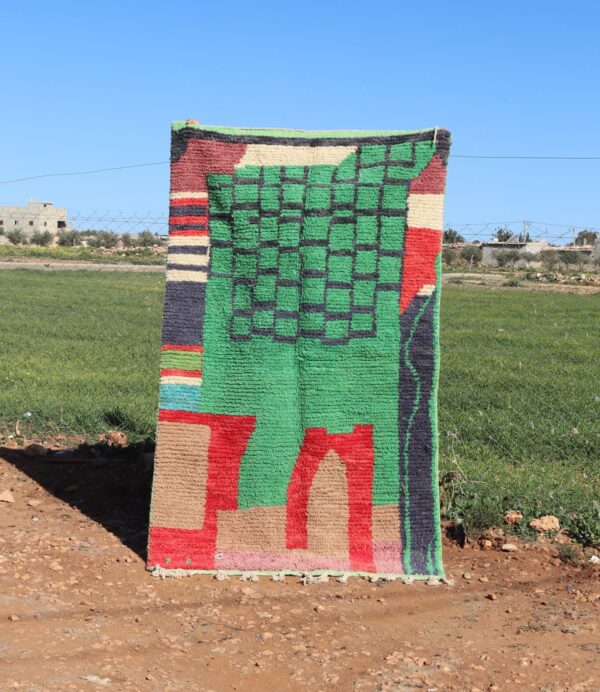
[(490, 249), (36, 216)]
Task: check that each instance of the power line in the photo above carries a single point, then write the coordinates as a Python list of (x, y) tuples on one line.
[(98, 170), (540, 158), (162, 163)]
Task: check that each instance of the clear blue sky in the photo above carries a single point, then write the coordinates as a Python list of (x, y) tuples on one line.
[(94, 85)]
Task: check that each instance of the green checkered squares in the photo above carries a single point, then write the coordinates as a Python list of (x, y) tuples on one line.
[(294, 172), (268, 257), (367, 198), (365, 262), (289, 266), (245, 193), (251, 172), (336, 329), (318, 198), (346, 170), (392, 232), (269, 199), (362, 322), (366, 229), (389, 269), (221, 259), (374, 153), (313, 258), (341, 236), (268, 228), (339, 268), (313, 291), (286, 327), (308, 246), (394, 197), (343, 194), (316, 227), (373, 175), (293, 193), (272, 175), (265, 288), (246, 230), (289, 234), (220, 229), (245, 266), (401, 152), (312, 322), (320, 175), (288, 298), (241, 326), (220, 200), (364, 292), (242, 297), (338, 300), (263, 319)]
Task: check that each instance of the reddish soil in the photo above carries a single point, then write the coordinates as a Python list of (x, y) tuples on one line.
[(78, 611)]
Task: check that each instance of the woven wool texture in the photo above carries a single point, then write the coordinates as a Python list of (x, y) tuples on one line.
[(299, 366)]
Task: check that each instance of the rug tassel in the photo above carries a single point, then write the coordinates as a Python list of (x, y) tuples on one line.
[(249, 576), (278, 576), (343, 578)]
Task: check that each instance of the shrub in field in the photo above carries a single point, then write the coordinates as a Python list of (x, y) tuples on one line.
[(549, 258), (584, 526), (146, 239), (449, 256), (127, 240), (41, 238), (471, 254), (68, 239), (104, 239), (505, 258), (569, 259), (529, 257), (17, 236)]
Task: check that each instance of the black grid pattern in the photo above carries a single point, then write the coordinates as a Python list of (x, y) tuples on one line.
[(308, 249)]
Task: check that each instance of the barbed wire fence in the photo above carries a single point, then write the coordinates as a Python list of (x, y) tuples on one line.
[(133, 222)]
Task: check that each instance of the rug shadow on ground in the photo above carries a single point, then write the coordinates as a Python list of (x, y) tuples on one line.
[(111, 487)]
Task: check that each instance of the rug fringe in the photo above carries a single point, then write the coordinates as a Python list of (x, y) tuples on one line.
[(316, 577)]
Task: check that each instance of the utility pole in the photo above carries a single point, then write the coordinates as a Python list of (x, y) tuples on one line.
[(525, 230)]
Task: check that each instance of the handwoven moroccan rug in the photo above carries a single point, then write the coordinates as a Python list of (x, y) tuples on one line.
[(299, 370)]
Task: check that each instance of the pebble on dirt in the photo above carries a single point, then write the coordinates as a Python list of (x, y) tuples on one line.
[(6, 496)]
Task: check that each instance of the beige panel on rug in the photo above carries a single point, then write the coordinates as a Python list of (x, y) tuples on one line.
[(386, 523), (327, 521), (282, 155), (180, 475), (256, 528)]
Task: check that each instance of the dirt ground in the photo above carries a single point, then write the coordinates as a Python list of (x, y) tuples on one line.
[(78, 611)]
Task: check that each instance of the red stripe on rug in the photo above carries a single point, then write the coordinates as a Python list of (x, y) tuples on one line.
[(176, 372), (181, 347), (188, 201), (189, 232), (187, 220)]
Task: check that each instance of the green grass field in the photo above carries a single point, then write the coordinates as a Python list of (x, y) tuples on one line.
[(519, 387), (12, 253)]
